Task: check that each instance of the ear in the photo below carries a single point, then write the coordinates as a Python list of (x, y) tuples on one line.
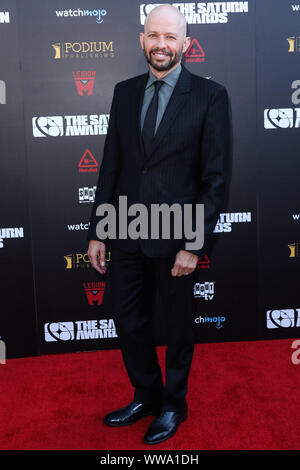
[(142, 35), (186, 43)]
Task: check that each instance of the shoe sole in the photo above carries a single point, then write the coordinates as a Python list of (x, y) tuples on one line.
[(153, 413), (167, 437)]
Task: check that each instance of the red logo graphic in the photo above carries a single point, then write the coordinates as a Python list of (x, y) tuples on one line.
[(84, 80), (203, 262), (94, 292), (195, 53), (88, 163)]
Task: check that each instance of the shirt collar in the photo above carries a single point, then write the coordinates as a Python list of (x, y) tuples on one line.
[(170, 79)]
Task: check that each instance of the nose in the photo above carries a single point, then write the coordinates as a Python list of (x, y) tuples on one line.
[(161, 43)]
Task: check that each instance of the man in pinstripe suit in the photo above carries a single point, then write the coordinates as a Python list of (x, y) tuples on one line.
[(167, 142)]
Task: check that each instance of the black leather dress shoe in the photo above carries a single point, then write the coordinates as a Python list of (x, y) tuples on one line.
[(129, 414), (164, 426)]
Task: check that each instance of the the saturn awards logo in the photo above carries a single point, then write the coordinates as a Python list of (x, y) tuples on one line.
[(79, 330)]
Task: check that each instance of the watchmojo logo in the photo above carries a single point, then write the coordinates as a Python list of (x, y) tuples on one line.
[(83, 50), (98, 15)]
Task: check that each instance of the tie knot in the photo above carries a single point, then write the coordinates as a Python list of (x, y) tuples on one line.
[(158, 84)]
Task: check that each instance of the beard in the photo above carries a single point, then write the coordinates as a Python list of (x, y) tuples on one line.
[(168, 64)]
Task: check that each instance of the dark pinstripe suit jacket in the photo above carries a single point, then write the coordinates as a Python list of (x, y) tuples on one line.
[(188, 161)]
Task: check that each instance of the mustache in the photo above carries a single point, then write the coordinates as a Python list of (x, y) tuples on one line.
[(164, 51)]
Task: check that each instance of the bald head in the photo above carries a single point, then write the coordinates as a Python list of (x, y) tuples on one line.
[(169, 15), (164, 39)]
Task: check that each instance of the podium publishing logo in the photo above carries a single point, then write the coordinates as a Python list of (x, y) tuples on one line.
[(294, 43), (83, 50), (84, 81), (77, 260), (88, 163), (283, 318), (294, 250), (80, 260), (194, 53)]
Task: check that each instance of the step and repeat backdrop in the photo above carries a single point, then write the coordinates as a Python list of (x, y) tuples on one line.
[(60, 61)]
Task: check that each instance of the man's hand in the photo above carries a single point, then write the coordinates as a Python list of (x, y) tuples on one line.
[(96, 254), (185, 263)]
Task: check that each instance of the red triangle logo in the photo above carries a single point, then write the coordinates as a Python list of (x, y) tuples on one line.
[(203, 261), (88, 160), (195, 50)]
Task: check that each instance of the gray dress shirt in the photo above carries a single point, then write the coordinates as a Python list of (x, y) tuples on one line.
[(164, 94)]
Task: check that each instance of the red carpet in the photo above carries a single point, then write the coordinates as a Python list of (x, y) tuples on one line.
[(243, 395)]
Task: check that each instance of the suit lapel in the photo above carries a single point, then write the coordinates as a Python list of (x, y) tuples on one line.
[(137, 108), (175, 104)]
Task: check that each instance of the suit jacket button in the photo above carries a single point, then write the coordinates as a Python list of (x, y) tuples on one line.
[(144, 169)]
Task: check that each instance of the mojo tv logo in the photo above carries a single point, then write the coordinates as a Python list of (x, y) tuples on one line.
[(79, 330), (83, 50), (84, 81)]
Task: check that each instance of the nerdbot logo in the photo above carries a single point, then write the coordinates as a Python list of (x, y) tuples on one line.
[(78, 330)]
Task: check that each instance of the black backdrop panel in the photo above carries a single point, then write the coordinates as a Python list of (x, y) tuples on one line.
[(60, 64), (17, 319)]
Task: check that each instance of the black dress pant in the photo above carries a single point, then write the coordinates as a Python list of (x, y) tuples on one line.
[(134, 278)]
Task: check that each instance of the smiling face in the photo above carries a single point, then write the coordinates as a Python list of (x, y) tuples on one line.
[(164, 40)]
